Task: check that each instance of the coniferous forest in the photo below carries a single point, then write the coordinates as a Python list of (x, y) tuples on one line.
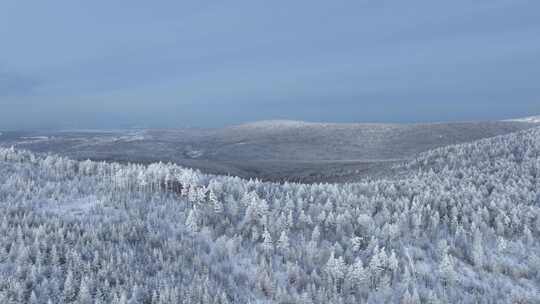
[(459, 224)]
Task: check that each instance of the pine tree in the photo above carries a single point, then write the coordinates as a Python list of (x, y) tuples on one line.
[(85, 296), (262, 211), (217, 206), (123, 298), (527, 235), (446, 269), (283, 242), (141, 179), (407, 298), (375, 267), (502, 244), (138, 295), (335, 268), (33, 298), (393, 263), (477, 250), (191, 221), (267, 244), (316, 234), (356, 243), (357, 274), (305, 298), (70, 289)]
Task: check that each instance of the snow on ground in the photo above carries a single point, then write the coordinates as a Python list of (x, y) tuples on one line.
[(531, 119), (194, 153), (128, 138), (36, 137), (274, 124)]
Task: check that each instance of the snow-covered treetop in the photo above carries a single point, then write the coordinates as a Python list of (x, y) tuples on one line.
[(461, 226)]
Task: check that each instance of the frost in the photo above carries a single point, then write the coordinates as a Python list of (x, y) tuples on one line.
[(461, 224), (531, 119)]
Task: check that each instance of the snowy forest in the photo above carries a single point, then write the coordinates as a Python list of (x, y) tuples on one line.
[(459, 224)]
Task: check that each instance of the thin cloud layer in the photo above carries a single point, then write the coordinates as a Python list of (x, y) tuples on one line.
[(193, 63)]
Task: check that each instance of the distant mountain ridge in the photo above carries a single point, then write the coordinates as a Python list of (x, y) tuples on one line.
[(530, 119), (274, 150)]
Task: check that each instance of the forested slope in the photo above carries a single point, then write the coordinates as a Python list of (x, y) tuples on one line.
[(293, 151), (461, 226)]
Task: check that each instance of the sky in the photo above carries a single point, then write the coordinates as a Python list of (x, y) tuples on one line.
[(203, 63)]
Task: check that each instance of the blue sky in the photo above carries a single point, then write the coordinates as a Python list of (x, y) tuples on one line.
[(92, 64)]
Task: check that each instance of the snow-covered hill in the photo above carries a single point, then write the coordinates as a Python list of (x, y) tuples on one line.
[(461, 226), (269, 150), (272, 124), (531, 119)]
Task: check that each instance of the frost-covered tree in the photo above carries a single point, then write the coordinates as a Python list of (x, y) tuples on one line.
[(446, 269), (267, 243), (70, 288), (85, 295), (283, 242), (457, 225), (191, 221)]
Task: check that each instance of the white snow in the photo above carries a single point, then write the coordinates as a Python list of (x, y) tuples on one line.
[(111, 211), (36, 138), (129, 138), (194, 153), (531, 119), (73, 207), (274, 124)]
